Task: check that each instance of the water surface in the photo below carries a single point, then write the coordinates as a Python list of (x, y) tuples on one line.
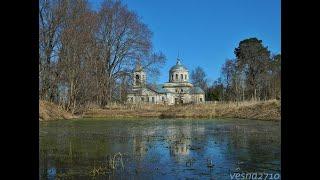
[(158, 148)]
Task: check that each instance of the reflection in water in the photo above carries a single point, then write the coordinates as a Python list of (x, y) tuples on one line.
[(158, 148)]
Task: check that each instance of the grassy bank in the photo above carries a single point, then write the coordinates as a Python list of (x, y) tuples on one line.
[(260, 110), (50, 111)]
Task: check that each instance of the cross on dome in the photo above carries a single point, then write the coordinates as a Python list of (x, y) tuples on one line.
[(178, 61)]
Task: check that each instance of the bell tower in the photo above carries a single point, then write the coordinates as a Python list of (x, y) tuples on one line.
[(139, 76)]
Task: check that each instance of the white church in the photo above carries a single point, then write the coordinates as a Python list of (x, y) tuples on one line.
[(177, 91)]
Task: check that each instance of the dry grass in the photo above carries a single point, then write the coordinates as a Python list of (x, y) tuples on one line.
[(116, 111), (262, 110), (49, 111)]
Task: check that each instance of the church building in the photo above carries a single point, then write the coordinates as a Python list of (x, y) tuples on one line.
[(177, 91)]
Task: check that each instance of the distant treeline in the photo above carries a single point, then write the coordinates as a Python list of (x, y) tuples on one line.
[(87, 56), (255, 74)]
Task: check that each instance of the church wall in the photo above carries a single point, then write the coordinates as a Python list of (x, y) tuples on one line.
[(187, 98), (147, 97), (177, 89), (169, 98), (172, 90), (131, 98), (198, 98)]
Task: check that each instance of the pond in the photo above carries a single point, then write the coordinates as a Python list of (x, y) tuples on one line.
[(158, 148)]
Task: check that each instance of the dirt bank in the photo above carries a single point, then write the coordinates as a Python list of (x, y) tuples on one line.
[(49, 111)]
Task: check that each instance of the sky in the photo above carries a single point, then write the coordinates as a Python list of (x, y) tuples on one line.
[(205, 32)]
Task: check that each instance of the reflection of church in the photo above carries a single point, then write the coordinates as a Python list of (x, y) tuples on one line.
[(178, 90)]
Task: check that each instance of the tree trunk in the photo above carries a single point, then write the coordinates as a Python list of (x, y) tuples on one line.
[(255, 94)]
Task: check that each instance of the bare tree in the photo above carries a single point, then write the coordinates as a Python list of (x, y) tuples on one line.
[(198, 78), (122, 39), (76, 40), (88, 57), (52, 15)]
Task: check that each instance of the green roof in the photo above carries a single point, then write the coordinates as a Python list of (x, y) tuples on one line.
[(196, 90), (158, 88)]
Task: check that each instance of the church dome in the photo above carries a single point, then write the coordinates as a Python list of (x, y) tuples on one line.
[(178, 73), (178, 67)]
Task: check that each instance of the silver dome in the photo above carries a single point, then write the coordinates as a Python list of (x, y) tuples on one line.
[(178, 66)]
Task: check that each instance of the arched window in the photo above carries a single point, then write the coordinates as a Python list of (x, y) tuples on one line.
[(137, 79), (181, 90), (181, 76), (176, 76), (172, 77)]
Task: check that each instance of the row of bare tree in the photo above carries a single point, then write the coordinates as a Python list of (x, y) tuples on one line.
[(87, 56)]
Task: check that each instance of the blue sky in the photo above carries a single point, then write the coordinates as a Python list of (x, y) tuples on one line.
[(205, 32)]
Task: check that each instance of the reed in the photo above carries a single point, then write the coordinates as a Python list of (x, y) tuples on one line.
[(112, 163)]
